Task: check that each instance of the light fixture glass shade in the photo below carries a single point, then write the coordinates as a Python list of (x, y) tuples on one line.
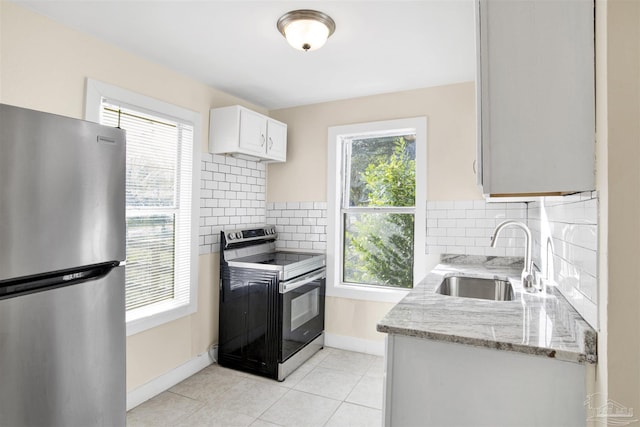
[(306, 29), (306, 34)]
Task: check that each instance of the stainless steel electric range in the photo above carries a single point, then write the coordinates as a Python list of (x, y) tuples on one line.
[(271, 303)]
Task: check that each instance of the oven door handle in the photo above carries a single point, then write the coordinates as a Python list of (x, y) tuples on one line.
[(290, 285)]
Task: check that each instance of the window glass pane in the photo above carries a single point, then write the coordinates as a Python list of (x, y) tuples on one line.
[(152, 156), (378, 249), (381, 171), (150, 259)]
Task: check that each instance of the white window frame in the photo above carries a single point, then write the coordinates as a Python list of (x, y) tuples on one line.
[(335, 286), (95, 91)]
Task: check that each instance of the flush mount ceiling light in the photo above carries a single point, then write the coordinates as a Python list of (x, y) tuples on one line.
[(306, 29)]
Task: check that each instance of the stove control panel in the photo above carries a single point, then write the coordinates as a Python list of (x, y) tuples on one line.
[(247, 235)]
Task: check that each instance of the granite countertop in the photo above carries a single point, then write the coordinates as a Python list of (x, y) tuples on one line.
[(542, 324)]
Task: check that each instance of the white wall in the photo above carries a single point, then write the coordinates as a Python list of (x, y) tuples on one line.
[(620, 132), (451, 136)]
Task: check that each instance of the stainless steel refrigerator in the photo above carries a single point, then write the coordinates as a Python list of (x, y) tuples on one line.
[(62, 243)]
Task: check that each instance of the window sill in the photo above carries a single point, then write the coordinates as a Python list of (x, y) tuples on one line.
[(366, 293), (143, 323)]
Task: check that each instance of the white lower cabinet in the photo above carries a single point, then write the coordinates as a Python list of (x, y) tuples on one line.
[(436, 383)]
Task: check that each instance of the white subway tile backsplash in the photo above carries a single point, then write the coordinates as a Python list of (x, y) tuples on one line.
[(475, 250), (319, 246), (465, 223), (471, 223), (300, 225), (456, 213), (434, 231), (463, 204), (312, 237), (565, 231), (446, 223), (495, 251), (456, 232), (231, 194), (290, 244), (444, 205)]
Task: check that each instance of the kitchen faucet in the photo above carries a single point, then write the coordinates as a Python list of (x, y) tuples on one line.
[(528, 278)]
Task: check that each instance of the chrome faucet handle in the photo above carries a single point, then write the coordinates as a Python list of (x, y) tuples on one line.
[(540, 281), (532, 282), (529, 282)]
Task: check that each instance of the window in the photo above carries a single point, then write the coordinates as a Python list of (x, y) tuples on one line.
[(376, 208), (161, 173)]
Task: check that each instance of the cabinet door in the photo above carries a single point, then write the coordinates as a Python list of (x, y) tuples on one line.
[(253, 133), (277, 140), (537, 108)]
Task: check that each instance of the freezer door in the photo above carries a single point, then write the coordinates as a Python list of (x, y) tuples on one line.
[(62, 356), (62, 193)]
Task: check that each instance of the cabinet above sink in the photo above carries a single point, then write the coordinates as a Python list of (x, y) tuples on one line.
[(239, 131), (536, 97)]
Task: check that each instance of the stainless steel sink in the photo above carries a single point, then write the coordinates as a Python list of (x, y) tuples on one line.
[(475, 287)]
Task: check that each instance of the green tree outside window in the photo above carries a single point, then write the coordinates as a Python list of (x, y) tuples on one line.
[(378, 245)]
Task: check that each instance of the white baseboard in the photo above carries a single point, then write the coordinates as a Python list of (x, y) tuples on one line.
[(166, 381), (360, 345)]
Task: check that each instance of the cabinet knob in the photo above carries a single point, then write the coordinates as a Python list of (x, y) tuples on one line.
[(270, 143), (262, 140)]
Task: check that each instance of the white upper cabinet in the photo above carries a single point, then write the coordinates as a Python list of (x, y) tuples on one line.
[(536, 96), (238, 130), (276, 140)]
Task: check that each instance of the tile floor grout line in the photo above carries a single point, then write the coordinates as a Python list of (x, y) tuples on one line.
[(177, 394), (270, 406), (365, 365), (332, 414)]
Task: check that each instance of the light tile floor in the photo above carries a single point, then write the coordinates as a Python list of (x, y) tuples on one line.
[(335, 388)]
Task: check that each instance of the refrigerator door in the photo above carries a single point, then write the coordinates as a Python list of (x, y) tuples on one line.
[(62, 192), (62, 356)]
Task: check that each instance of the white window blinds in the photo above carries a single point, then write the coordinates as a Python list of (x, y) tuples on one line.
[(158, 206)]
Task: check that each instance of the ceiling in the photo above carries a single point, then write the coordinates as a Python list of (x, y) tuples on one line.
[(378, 46)]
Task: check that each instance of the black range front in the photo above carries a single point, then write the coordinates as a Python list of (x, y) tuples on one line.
[(271, 304)]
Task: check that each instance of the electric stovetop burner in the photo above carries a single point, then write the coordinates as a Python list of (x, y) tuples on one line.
[(256, 248), (277, 258)]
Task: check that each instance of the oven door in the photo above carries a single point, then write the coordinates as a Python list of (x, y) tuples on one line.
[(302, 311)]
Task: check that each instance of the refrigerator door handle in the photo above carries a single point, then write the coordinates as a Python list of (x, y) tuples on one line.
[(30, 284)]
